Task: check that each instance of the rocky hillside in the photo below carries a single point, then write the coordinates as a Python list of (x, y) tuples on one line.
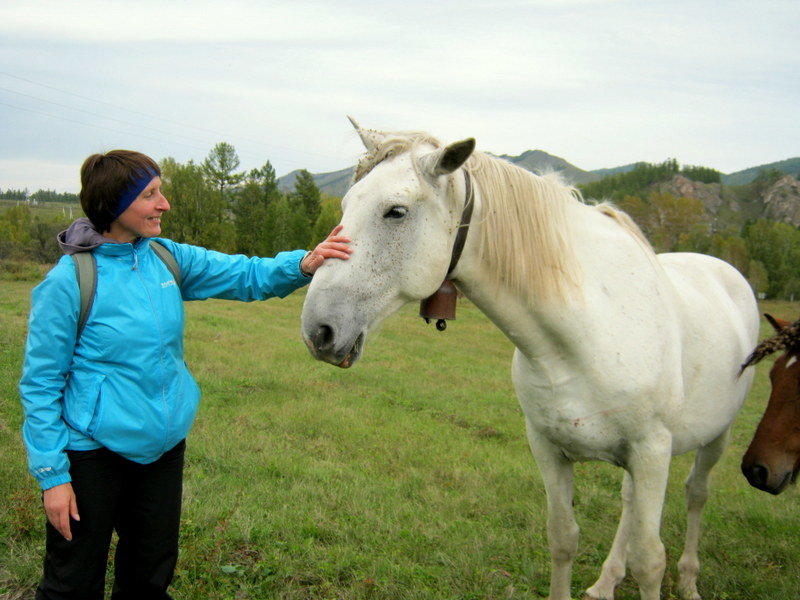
[(780, 201)]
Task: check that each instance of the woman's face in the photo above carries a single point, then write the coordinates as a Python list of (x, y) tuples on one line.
[(142, 219)]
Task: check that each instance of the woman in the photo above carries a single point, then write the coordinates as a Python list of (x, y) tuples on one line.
[(107, 408)]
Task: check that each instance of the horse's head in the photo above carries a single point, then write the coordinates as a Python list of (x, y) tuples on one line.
[(772, 461), (402, 215)]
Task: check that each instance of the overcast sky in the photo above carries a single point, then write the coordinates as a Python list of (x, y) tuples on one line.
[(599, 83)]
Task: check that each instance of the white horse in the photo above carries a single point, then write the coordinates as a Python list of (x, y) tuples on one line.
[(621, 355)]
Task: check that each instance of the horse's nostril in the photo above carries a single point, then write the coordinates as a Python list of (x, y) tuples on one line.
[(756, 474), (323, 338)]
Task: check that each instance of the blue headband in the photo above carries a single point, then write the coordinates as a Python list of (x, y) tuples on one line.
[(138, 182)]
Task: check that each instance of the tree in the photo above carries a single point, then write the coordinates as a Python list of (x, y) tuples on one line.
[(197, 214), (702, 174), (667, 217), (330, 215), (758, 277), (15, 237), (250, 210), (277, 228), (732, 249), (696, 239), (765, 179), (220, 166), (250, 216), (266, 178), (299, 225), (307, 191), (777, 247), (633, 182)]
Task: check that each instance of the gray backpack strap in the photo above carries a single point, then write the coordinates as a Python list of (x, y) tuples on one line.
[(168, 259), (86, 272)]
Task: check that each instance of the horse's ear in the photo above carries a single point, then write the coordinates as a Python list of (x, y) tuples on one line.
[(370, 137), (448, 159), (777, 324)]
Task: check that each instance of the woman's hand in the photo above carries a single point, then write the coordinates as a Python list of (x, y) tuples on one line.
[(59, 506), (334, 246)]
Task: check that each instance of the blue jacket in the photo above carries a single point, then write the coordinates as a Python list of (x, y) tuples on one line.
[(124, 384)]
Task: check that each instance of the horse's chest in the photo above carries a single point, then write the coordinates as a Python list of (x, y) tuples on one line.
[(583, 435), (581, 425)]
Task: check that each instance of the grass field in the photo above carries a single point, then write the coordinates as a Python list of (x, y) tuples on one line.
[(405, 477), (55, 210)]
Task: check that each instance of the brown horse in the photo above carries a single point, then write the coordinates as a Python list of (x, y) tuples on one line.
[(772, 461)]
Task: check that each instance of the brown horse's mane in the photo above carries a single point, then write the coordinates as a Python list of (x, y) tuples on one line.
[(787, 338)]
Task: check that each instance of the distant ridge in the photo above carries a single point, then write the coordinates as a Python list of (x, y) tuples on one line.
[(541, 163), (336, 183), (790, 166)]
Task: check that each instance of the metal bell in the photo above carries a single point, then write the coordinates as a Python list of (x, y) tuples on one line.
[(440, 306)]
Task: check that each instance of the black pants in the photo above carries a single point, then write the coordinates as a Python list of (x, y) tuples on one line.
[(142, 503)]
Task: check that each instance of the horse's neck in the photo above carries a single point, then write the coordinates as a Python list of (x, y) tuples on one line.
[(537, 329)]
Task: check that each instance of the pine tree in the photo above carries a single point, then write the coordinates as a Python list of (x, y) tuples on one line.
[(307, 191), (220, 167)]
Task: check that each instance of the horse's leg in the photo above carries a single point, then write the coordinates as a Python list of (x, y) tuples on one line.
[(648, 464), (562, 530), (614, 566), (696, 496)]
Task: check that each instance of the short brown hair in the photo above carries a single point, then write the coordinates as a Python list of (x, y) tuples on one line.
[(103, 179)]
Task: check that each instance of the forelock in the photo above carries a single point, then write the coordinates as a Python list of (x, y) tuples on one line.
[(394, 145)]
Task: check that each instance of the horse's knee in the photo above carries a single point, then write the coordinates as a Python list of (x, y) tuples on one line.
[(563, 541), (647, 564)]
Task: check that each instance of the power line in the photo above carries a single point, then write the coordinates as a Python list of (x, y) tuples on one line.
[(149, 116), (62, 118), (93, 114)]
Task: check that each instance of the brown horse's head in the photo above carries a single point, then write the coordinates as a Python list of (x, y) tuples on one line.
[(772, 461)]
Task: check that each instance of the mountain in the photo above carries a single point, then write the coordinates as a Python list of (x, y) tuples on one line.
[(337, 183), (540, 162), (790, 166)]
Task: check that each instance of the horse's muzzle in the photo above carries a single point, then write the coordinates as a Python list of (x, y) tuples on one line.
[(323, 346), (760, 477)]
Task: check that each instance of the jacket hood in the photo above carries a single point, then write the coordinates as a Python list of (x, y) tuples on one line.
[(81, 236)]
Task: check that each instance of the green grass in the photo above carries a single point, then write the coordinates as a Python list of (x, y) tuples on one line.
[(405, 477)]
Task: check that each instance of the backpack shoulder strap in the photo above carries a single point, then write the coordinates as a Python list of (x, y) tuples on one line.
[(86, 273), (168, 259)]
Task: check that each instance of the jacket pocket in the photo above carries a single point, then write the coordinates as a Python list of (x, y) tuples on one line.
[(82, 405), (186, 398)]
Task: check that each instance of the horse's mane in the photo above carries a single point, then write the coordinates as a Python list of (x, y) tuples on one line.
[(526, 240), (787, 338)]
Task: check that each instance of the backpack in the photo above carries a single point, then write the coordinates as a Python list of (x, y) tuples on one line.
[(86, 273)]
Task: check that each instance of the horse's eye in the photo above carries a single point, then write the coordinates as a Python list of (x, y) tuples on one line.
[(396, 212)]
